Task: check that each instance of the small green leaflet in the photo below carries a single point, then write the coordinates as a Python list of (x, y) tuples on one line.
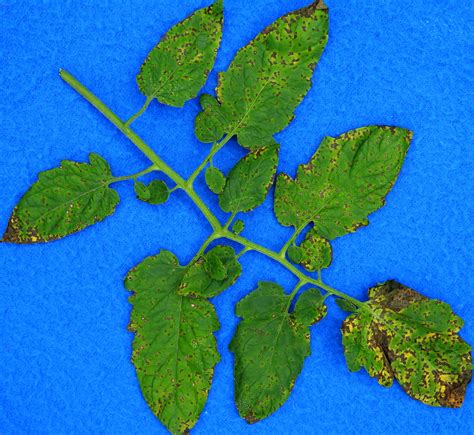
[(403, 335), (177, 68), (214, 266), (215, 179), (268, 78), (270, 346), (238, 226), (295, 254), (63, 201), (174, 349), (249, 180), (310, 308), (156, 192), (315, 252), (347, 179), (211, 274)]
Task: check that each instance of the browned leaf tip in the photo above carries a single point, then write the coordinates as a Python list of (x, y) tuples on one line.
[(250, 418), (14, 235)]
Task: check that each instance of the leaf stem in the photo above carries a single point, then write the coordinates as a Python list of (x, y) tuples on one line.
[(304, 279), (140, 112), (141, 145), (292, 295), (290, 241), (203, 164), (135, 176), (203, 247), (229, 222), (296, 288), (243, 251), (214, 150)]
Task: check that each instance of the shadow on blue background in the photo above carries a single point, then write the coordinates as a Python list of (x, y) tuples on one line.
[(64, 347)]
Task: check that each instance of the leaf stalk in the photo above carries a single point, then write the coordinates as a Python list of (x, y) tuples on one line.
[(140, 112), (140, 144), (151, 168)]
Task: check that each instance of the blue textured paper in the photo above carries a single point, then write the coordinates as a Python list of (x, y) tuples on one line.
[(64, 347)]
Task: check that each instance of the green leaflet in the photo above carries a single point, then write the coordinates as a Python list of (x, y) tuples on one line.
[(268, 78), (347, 179), (63, 201), (174, 349), (310, 308), (156, 192), (295, 254), (177, 68), (317, 252), (212, 273), (270, 346), (403, 335), (314, 253), (249, 180), (215, 180), (238, 226)]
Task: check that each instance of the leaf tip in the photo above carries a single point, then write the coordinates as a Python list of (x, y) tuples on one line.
[(317, 5), (320, 5), (250, 418), (218, 6), (454, 398), (12, 233)]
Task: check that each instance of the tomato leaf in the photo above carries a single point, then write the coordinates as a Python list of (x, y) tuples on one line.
[(249, 180), (347, 179), (401, 334), (215, 179), (270, 346), (174, 349), (177, 68), (267, 79), (63, 201)]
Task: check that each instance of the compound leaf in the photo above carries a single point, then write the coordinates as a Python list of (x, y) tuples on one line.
[(346, 180), (215, 179), (156, 192), (63, 201), (174, 349), (212, 273), (177, 68), (401, 334), (267, 79), (270, 346), (249, 180)]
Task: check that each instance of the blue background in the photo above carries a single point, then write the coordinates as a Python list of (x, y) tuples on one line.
[(64, 347)]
